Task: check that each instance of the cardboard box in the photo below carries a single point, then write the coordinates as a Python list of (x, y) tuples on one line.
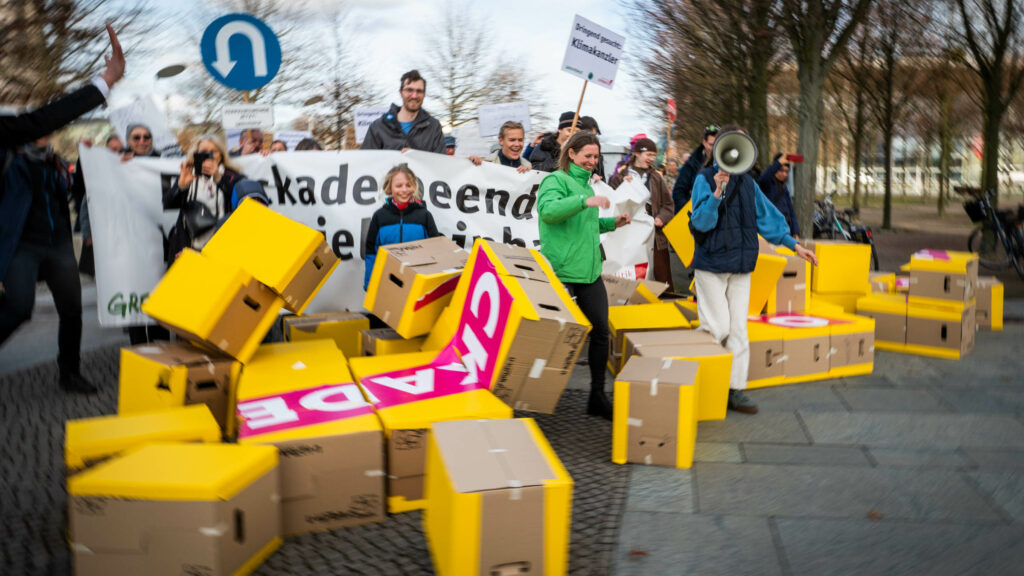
[(384, 341), (807, 352), (214, 304), (635, 341), (943, 275), (623, 320), (409, 392), (764, 280), (842, 266), (165, 375), (655, 412), (500, 500), (89, 441), (767, 354), (989, 311), (301, 398), (689, 309), (623, 291), (341, 327), (715, 373), (890, 314), (543, 338), (882, 282), (443, 331), (169, 509), (412, 283), (292, 259), (792, 292), (940, 330), (902, 283), (678, 234), (852, 346), (846, 301)]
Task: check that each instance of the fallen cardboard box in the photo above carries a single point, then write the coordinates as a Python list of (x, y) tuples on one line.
[(384, 341), (624, 291), (655, 412), (341, 327)]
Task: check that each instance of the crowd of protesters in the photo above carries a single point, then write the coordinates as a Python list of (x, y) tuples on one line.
[(727, 212)]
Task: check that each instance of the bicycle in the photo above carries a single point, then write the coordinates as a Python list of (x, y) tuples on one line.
[(833, 225), (1005, 224)]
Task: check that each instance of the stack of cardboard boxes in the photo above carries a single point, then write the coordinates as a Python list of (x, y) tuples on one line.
[(842, 275), (937, 316)]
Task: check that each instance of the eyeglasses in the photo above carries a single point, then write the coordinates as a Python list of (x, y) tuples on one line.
[(414, 91), (137, 137)]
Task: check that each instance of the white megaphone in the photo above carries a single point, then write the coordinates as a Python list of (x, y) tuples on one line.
[(734, 152)]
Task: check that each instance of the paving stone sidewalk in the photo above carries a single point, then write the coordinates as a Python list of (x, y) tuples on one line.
[(916, 469)]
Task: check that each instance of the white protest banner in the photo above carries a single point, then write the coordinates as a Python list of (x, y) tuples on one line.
[(492, 116), (593, 52), (628, 250), (242, 116), (364, 117), (144, 111), (334, 192)]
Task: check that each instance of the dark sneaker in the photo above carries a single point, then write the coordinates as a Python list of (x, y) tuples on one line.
[(599, 405), (77, 384), (739, 402)]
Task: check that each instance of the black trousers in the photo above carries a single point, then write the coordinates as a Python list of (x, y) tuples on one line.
[(55, 265), (593, 301)]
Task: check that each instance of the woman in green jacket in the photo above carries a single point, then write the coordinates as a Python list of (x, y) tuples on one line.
[(570, 238)]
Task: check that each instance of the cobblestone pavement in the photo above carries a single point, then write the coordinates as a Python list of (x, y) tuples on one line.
[(33, 496)]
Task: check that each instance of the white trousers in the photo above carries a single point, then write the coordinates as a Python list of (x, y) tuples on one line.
[(723, 301)]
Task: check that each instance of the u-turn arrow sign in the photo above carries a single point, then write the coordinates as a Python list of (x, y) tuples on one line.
[(240, 51)]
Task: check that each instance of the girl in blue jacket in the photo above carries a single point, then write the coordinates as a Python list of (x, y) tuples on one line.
[(402, 218)]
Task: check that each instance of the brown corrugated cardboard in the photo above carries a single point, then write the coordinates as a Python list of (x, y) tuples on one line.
[(518, 262), (807, 356), (954, 334), (408, 487), (989, 304), (331, 482), (342, 327), (149, 379), (851, 349), (623, 291), (653, 419), (888, 327), (945, 285), (637, 340), (767, 359), (791, 289), (407, 452), (380, 341), (171, 538)]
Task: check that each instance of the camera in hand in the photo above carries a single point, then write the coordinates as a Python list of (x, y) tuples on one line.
[(197, 161)]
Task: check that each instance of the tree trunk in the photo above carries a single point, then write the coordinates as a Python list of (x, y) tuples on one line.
[(887, 158), (945, 149), (992, 117), (757, 122), (812, 84)]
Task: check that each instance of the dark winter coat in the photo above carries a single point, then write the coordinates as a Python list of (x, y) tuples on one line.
[(684, 183), (389, 225), (386, 133), (779, 194)]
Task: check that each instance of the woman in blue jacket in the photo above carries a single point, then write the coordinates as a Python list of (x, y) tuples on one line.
[(402, 218), (732, 210)]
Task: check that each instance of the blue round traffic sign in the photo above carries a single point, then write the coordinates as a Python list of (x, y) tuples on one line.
[(240, 51)]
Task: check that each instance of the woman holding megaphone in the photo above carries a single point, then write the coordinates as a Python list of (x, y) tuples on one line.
[(729, 211)]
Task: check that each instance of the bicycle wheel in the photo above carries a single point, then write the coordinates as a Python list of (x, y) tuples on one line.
[(874, 256), (974, 245), (1017, 241)]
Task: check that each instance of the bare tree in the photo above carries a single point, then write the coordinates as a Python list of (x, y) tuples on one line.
[(896, 43), (466, 71), (846, 84), (991, 34), (719, 64), (818, 31), (47, 46)]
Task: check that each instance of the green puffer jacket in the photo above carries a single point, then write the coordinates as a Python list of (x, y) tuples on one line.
[(570, 233)]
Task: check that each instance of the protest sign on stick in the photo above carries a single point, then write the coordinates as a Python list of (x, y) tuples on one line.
[(492, 116), (593, 54)]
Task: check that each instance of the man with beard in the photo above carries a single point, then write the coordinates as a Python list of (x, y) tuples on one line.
[(407, 126)]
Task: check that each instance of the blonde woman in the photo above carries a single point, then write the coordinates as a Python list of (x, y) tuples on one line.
[(202, 194), (402, 218)]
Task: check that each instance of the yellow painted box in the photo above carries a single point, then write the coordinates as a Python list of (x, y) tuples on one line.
[(385, 341), (883, 282), (623, 320), (852, 346), (943, 275), (164, 375), (342, 327), (215, 304), (764, 280), (300, 397), (89, 441), (499, 500), (990, 303), (413, 282), (715, 371), (677, 231), (169, 509), (406, 425), (940, 330), (655, 414), (842, 266), (792, 292), (890, 314), (846, 301), (292, 259)]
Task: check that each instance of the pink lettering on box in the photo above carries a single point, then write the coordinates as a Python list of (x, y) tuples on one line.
[(300, 408)]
